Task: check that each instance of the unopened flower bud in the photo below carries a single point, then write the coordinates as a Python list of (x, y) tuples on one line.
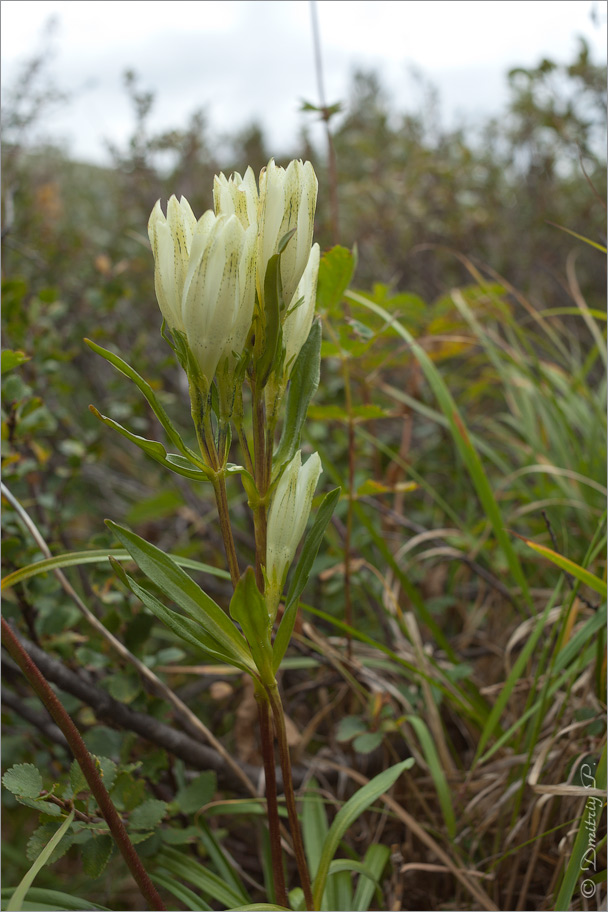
[(287, 517)]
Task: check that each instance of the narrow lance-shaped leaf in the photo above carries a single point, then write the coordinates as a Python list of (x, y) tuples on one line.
[(153, 448), (149, 395), (303, 383), (347, 815), (309, 552), (182, 626), (18, 896), (248, 608), (178, 586), (272, 320)]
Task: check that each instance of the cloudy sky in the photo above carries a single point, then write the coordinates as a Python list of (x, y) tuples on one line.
[(246, 60)]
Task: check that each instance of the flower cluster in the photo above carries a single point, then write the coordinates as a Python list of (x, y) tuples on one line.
[(210, 273), (237, 289)]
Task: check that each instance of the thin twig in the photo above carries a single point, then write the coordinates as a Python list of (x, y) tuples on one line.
[(85, 761), (183, 713)]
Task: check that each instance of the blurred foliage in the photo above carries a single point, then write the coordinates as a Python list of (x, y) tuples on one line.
[(453, 236)]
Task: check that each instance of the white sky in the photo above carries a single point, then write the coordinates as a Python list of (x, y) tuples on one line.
[(245, 60)]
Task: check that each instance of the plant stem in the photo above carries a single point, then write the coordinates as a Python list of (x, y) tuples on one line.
[(261, 481), (85, 761), (221, 499), (290, 798), (274, 824)]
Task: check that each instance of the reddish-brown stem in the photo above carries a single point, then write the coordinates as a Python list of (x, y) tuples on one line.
[(290, 798), (85, 761), (274, 824)]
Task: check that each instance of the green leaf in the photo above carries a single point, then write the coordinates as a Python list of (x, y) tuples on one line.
[(579, 859), (185, 895), (23, 779), (336, 270), (374, 861), (16, 901), (192, 797), (444, 792), (349, 727), (179, 587), (184, 627), (108, 770), (77, 779), (41, 837), (209, 883), (96, 853), (11, 359), (148, 815), (314, 831), (580, 573), (303, 383), (273, 299), (248, 608), (367, 742), (347, 815), (301, 574), (41, 805), (154, 449), (147, 391), (41, 898)]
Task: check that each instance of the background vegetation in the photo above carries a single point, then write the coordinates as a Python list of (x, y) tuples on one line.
[(461, 409)]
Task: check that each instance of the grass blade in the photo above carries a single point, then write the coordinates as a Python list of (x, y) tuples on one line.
[(347, 815), (16, 901)]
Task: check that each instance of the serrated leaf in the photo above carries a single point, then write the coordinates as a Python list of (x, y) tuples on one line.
[(303, 383), (41, 837), (108, 770), (148, 815), (77, 779), (197, 793), (368, 742), (23, 779), (349, 727), (96, 853), (42, 806)]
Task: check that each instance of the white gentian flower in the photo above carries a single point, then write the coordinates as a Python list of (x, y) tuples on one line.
[(217, 304), (287, 518), (205, 279), (237, 196), (171, 239), (299, 321), (288, 198)]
